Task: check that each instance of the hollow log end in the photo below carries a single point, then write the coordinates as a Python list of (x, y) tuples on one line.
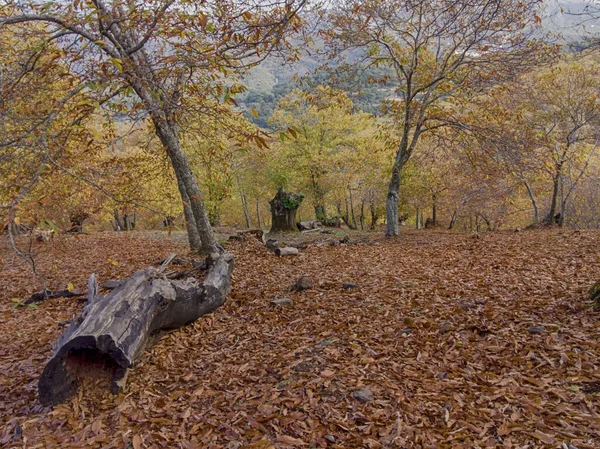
[(82, 357)]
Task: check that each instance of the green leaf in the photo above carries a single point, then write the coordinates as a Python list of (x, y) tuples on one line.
[(52, 226)]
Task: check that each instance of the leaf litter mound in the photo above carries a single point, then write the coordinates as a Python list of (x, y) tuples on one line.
[(444, 341)]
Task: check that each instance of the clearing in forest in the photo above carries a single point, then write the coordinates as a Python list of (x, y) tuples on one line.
[(461, 342)]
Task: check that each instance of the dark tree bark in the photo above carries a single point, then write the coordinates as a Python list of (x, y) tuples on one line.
[(246, 210), (453, 217), (373, 216), (113, 330), (320, 212), (258, 220), (118, 224), (190, 222), (434, 209), (77, 222), (283, 211), (555, 188)]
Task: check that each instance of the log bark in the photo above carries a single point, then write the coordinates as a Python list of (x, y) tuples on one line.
[(287, 251), (113, 330), (47, 294), (306, 225)]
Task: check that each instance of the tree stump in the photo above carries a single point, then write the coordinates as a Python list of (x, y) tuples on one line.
[(113, 330), (283, 211)]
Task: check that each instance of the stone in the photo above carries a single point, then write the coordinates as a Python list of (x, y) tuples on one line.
[(302, 284), (445, 328), (518, 229), (363, 395), (330, 438), (406, 331), (272, 245), (536, 330), (349, 285), (282, 302)]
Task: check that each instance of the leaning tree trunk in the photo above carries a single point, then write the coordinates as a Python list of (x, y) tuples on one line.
[(167, 134), (113, 330), (283, 211), (190, 223)]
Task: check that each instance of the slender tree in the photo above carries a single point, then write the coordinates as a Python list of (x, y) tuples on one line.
[(157, 58), (437, 49)]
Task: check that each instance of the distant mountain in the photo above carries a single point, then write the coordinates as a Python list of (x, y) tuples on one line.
[(566, 22)]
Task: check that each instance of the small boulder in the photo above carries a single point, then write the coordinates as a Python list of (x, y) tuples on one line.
[(349, 286), (536, 330), (282, 302), (272, 245), (445, 328), (302, 284), (363, 395), (518, 229), (330, 438)]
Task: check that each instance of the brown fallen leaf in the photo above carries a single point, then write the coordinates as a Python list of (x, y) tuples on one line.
[(545, 438), (286, 439), (137, 442)]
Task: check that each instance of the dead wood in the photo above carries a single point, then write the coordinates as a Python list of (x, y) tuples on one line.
[(113, 330)]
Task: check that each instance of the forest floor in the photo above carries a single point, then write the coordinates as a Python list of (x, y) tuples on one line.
[(463, 342)]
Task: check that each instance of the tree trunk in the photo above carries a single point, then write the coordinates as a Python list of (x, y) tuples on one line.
[(373, 215), (417, 220), (555, 188), (352, 215), (391, 202), (320, 212), (181, 165), (362, 215), (536, 212), (190, 223), (118, 226), (126, 222), (246, 211), (113, 330), (258, 220), (434, 210), (453, 219), (283, 211), (77, 220)]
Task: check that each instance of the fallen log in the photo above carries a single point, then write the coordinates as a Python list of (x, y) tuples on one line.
[(258, 234), (48, 294), (308, 225), (287, 251), (113, 330)]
